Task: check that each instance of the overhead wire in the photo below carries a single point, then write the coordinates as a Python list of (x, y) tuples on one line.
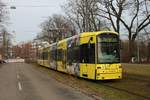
[(31, 6)]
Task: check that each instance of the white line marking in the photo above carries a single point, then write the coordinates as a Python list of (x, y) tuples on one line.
[(19, 85), (18, 76)]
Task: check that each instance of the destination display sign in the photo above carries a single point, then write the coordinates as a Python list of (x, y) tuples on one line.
[(107, 38)]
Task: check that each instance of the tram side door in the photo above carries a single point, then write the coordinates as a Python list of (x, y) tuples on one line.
[(83, 62), (83, 69), (87, 70), (87, 61)]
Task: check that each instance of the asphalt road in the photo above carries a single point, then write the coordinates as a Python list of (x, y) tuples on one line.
[(21, 81)]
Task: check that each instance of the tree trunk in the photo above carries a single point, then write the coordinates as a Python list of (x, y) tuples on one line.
[(148, 52), (131, 50)]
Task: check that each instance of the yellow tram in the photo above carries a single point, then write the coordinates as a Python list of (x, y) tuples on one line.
[(90, 55)]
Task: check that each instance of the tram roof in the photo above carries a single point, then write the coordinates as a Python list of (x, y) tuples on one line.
[(84, 34)]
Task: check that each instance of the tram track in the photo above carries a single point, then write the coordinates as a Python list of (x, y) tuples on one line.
[(124, 90), (137, 77), (128, 77)]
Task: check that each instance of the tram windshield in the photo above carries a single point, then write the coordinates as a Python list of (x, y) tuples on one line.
[(108, 48)]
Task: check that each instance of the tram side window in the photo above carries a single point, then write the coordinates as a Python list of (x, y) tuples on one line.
[(42, 55), (59, 54), (87, 53), (73, 54), (76, 54), (69, 56), (53, 55), (45, 55), (39, 56)]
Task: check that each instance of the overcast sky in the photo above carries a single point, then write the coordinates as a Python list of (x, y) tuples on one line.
[(28, 15)]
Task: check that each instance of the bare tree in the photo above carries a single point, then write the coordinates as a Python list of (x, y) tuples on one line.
[(128, 15), (56, 28), (84, 14)]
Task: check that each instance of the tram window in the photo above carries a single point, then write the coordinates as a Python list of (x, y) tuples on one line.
[(53, 55), (39, 55), (76, 54), (45, 55), (69, 56), (73, 54), (87, 55), (59, 54), (42, 55)]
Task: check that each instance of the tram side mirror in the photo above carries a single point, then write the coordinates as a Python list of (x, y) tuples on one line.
[(91, 38), (89, 43)]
